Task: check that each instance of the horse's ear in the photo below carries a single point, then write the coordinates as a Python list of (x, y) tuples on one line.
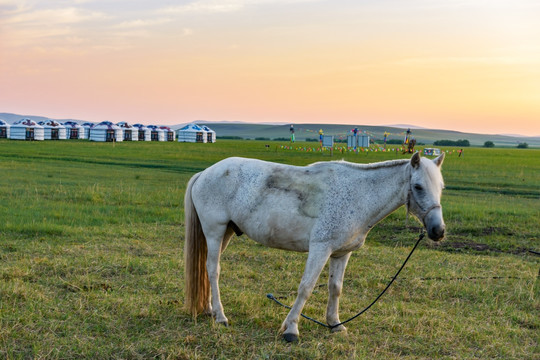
[(439, 160), (415, 160)]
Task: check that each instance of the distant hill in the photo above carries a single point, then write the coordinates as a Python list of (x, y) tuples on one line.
[(311, 131), (306, 131)]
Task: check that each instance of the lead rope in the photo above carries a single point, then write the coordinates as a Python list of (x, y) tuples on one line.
[(420, 237)]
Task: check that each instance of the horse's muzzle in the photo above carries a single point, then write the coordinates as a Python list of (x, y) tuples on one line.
[(435, 225), (436, 233)]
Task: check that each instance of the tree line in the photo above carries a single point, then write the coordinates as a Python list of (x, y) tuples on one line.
[(461, 143)]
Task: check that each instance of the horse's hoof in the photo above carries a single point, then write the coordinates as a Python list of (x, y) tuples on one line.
[(290, 337), (224, 323), (339, 328)]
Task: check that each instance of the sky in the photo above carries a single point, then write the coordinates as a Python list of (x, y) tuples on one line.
[(466, 65)]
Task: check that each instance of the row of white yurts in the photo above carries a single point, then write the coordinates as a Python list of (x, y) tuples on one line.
[(123, 131), (27, 129)]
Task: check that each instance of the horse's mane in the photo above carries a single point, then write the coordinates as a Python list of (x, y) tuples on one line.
[(371, 166)]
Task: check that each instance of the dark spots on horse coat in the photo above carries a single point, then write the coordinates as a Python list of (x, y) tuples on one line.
[(304, 185)]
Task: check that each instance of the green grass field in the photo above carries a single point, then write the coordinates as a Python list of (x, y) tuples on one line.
[(91, 262)]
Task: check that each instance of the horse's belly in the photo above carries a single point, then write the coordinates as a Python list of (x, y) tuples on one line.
[(280, 231), (277, 242)]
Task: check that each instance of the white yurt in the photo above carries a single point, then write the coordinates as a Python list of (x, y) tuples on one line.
[(26, 129), (53, 130), (130, 133), (210, 134), (192, 133), (144, 132), (106, 131), (74, 130), (169, 133), (156, 134), (4, 129), (87, 126)]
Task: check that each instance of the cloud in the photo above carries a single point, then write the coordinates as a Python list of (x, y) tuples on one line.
[(224, 6), (204, 6), (465, 60), (482, 4), (26, 26), (12, 5), (69, 15), (139, 23)]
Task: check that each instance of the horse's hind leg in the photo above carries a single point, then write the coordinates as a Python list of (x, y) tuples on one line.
[(214, 239), (335, 284), (226, 239)]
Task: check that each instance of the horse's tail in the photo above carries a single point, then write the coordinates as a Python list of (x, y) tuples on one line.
[(197, 288)]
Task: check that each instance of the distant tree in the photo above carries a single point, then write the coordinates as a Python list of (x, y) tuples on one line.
[(523, 145), (262, 138), (462, 143), (489, 144), (394, 142), (226, 137)]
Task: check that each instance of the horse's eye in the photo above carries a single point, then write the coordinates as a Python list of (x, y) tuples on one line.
[(418, 187)]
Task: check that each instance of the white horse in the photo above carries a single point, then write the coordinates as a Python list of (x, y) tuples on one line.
[(325, 209)]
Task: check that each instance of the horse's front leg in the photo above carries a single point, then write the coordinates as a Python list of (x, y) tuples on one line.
[(316, 260), (335, 284)]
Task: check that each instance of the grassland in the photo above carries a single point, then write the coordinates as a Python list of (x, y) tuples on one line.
[(91, 263)]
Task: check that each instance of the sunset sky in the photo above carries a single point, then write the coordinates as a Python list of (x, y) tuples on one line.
[(466, 65)]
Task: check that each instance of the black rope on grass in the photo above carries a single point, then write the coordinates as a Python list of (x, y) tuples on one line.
[(420, 237), (273, 298)]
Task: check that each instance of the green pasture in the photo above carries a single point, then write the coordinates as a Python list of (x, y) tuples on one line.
[(91, 262)]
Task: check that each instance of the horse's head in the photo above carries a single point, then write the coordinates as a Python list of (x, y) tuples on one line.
[(424, 200)]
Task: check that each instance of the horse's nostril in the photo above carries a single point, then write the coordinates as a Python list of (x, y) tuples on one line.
[(436, 232), (441, 233)]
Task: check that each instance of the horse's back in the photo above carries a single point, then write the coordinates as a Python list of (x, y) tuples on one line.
[(274, 204)]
